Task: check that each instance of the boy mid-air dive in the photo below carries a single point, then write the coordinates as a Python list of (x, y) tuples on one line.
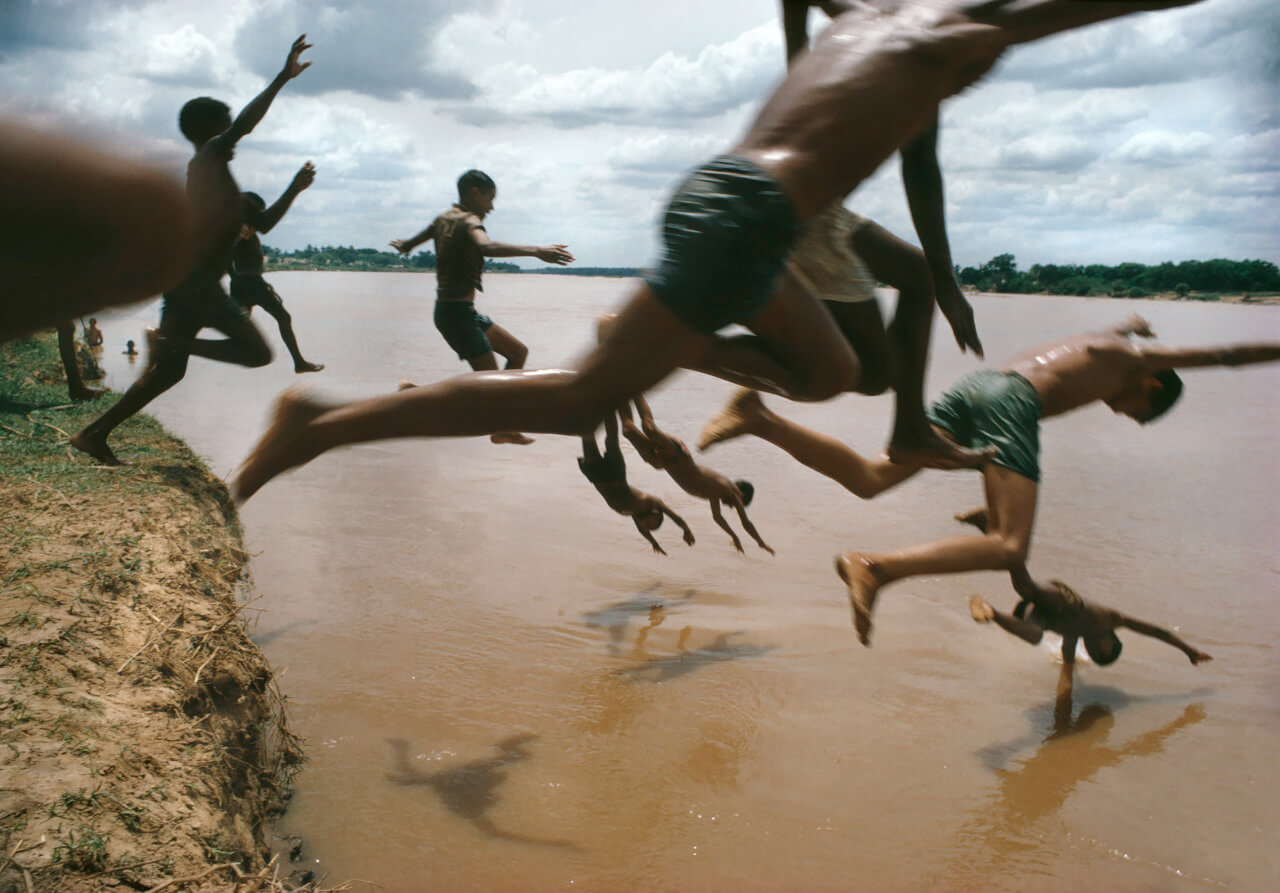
[(248, 287), (199, 301), (608, 474), (670, 454)]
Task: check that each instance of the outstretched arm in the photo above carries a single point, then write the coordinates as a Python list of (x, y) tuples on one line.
[(1156, 357), (679, 522), (648, 536), (922, 180), (252, 113), (551, 254), (749, 527), (1195, 655), (267, 220), (405, 246), (724, 525)]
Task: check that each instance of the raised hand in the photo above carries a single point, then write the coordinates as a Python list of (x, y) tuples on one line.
[(305, 176), (555, 254), (292, 67), (401, 245)]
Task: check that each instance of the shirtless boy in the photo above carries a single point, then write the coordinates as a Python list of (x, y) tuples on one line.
[(199, 301), (462, 244), (608, 474), (669, 454), (248, 288), (1077, 620), (728, 231), (1002, 409)]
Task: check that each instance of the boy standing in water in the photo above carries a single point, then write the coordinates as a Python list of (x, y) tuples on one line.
[(248, 287), (869, 84), (462, 244), (199, 301)]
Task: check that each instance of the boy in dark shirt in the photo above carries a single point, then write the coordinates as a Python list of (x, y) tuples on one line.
[(199, 300), (462, 244), (608, 473), (248, 287)]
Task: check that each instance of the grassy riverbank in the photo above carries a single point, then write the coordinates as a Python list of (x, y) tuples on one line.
[(142, 738)]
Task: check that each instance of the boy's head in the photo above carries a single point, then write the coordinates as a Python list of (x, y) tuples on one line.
[(203, 118), (93, 320), (650, 519), (476, 191), (1150, 398), (746, 490), (1103, 650)]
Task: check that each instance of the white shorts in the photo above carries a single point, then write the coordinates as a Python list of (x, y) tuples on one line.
[(823, 257)]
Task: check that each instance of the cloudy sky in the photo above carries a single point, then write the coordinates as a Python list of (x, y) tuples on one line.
[(1155, 138)]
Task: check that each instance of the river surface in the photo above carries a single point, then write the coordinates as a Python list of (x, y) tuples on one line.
[(502, 688)]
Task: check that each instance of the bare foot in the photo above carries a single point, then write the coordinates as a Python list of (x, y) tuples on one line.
[(855, 570), (510, 437), (307, 367), (926, 448), (977, 517), (738, 417), (95, 446), (1196, 656), (405, 384), (81, 394), (282, 447), (980, 610)]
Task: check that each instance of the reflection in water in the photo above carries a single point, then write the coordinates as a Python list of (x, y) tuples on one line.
[(468, 790), (615, 618), (672, 666), (1073, 752)]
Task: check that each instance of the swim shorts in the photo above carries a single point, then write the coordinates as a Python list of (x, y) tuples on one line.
[(726, 236), (993, 408), (193, 306), (824, 258), (251, 290), (609, 468), (463, 328)]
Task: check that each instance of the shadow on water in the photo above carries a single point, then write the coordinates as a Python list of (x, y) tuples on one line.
[(468, 791), (673, 666), (261, 639), (616, 617), (1072, 750)]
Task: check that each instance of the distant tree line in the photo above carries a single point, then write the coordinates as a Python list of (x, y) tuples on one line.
[(341, 257), (1204, 279)]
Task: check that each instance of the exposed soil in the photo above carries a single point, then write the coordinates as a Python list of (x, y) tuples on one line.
[(142, 737)]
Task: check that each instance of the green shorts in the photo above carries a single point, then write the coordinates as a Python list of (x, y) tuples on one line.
[(993, 408)]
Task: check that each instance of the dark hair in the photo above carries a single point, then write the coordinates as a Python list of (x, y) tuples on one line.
[(201, 119), (661, 517), (747, 491), (1100, 657), (1165, 396), (474, 179), (255, 200)]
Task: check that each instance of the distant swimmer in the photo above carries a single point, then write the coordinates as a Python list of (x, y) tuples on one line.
[(199, 301), (669, 454), (1076, 620), (998, 409), (248, 287), (869, 84), (608, 474), (93, 334), (129, 349), (462, 244)]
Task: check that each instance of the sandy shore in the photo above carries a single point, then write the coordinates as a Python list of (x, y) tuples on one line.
[(142, 739)]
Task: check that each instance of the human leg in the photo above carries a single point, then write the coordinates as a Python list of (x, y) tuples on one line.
[(1011, 506), (488, 362), (76, 387), (272, 304), (863, 477), (645, 345), (508, 346)]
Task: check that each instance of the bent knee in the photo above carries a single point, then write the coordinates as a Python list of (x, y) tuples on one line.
[(257, 355), (1010, 553)]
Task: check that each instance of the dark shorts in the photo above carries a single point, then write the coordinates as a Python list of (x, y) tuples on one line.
[(606, 469), (251, 290), (192, 307), (993, 408), (726, 236), (463, 328)]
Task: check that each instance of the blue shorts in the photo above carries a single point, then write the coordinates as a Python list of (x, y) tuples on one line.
[(993, 408), (726, 236), (463, 328)]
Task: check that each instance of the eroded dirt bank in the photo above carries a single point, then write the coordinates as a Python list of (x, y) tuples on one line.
[(142, 739)]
